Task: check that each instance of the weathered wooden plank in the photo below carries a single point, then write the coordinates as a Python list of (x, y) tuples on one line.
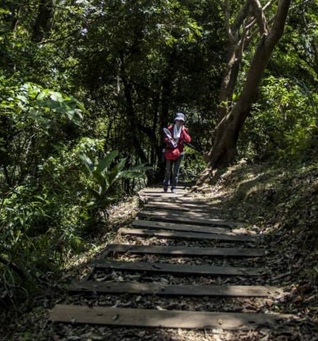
[(192, 214), (189, 199), (185, 250), (160, 194), (160, 190), (185, 235), (180, 269), (161, 206), (163, 318), (185, 219), (174, 290), (181, 207), (177, 226), (186, 200)]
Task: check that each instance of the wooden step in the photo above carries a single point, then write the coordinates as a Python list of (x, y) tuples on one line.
[(181, 201), (192, 214), (159, 189), (75, 314), (186, 235), (187, 227), (177, 269), (185, 250), (184, 207), (174, 290), (159, 193), (166, 216)]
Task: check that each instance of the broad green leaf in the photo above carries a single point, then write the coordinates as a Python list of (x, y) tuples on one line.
[(104, 163), (88, 162)]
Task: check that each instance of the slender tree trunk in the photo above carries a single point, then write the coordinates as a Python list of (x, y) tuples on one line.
[(167, 88), (130, 112), (235, 48), (43, 21), (164, 114)]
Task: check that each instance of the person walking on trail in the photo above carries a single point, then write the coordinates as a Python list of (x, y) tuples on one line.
[(175, 137)]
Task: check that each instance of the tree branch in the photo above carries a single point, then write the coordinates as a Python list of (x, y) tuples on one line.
[(279, 22), (241, 16), (259, 16)]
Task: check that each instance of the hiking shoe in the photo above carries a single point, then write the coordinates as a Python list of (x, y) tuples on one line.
[(173, 190), (165, 189)]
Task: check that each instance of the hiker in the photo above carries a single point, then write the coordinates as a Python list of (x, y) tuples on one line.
[(175, 136)]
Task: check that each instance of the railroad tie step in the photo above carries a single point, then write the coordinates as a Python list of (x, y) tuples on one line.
[(76, 314), (186, 251), (161, 289), (179, 226), (186, 219), (185, 235), (177, 269)]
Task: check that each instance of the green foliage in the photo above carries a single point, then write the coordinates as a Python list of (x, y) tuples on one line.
[(296, 56), (192, 165), (39, 212), (284, 123), (105, 175), (40, 106), (34, 121), (31, 238), (146, 60)]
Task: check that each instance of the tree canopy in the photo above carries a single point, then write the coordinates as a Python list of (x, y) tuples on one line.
[(86, 87)]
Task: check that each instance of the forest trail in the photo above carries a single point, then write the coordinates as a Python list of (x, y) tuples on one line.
[(181, 265)]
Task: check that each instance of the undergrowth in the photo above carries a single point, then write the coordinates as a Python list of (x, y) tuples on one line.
[(282, 201)]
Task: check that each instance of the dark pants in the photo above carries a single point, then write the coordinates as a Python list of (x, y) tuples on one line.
[(172, 172)]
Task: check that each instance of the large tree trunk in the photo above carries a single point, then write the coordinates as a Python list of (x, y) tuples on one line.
[(227, 131)]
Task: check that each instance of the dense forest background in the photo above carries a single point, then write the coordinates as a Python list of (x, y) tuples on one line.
[(86, 87)]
